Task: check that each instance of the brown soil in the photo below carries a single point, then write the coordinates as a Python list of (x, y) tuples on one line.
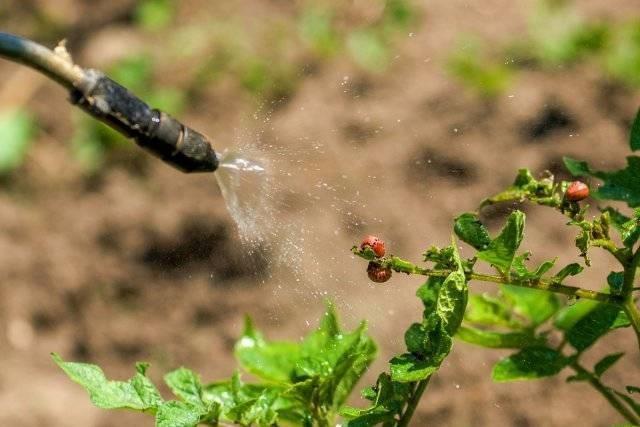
[(145, 263)]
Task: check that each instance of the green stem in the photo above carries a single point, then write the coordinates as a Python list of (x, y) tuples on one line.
[(549, 285), (630, 268), (630, 308), (610, 246), (607, 393), (634, 317), (412, 404), (403, 266)]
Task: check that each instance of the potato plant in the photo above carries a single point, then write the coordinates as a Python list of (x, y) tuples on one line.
[(548, 323)]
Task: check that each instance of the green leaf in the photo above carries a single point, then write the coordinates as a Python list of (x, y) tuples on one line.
[(606, 362), (617, 219), (17, 129), (634, 137), (623, 184), (529, 363), (596, 323), (632, 389), (536, 305), (138, 393), (350, 367), (186, 385), (492, 339), (501, 251), (431, 341), (416, 337), (579, 377), (234, 401), (428, 293), (569, 315), (408, 368), (615, 280), (583, 239), (622, 321), (526, 187), (389, 401), (260, 410), (630, 230), (326, 364), (568, 270), (486, 310), (577, 167), (471, 231), (274, 361), (521, 272), (221, 393), (177, 414), (452, 301)]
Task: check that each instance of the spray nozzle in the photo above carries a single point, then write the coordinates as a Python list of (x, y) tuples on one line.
[(109, 102), (154, 130)]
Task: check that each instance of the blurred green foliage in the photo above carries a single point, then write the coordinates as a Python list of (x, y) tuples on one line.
[(622, 60), (17, 129), (370, 47), (155, 15), (478, 72), (557, 37), (316, 28), (270, 65)]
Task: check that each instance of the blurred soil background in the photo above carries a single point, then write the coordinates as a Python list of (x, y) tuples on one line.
[(384, 117)]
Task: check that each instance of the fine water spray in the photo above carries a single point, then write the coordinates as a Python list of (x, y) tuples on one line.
[(156, 131)]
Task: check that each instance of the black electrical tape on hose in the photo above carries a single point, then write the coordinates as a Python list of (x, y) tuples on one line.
[(154, 130)]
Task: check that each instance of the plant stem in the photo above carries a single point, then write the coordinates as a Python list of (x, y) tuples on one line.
[(608, 245), (630, 308), (607, 393), (404, 266), (412, 404), (630, 268), (634, 317)]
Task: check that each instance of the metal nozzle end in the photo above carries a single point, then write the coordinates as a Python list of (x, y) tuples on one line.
[(194, 153)]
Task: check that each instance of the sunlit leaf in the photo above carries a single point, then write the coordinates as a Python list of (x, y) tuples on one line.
[(534, 304), (486, 310), (138, 393), (502, 250), (388, 402), (491, 339), (186, 385), (529, 363)]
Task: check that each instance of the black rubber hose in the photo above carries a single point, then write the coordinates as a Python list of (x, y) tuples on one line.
[(111, 103)]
